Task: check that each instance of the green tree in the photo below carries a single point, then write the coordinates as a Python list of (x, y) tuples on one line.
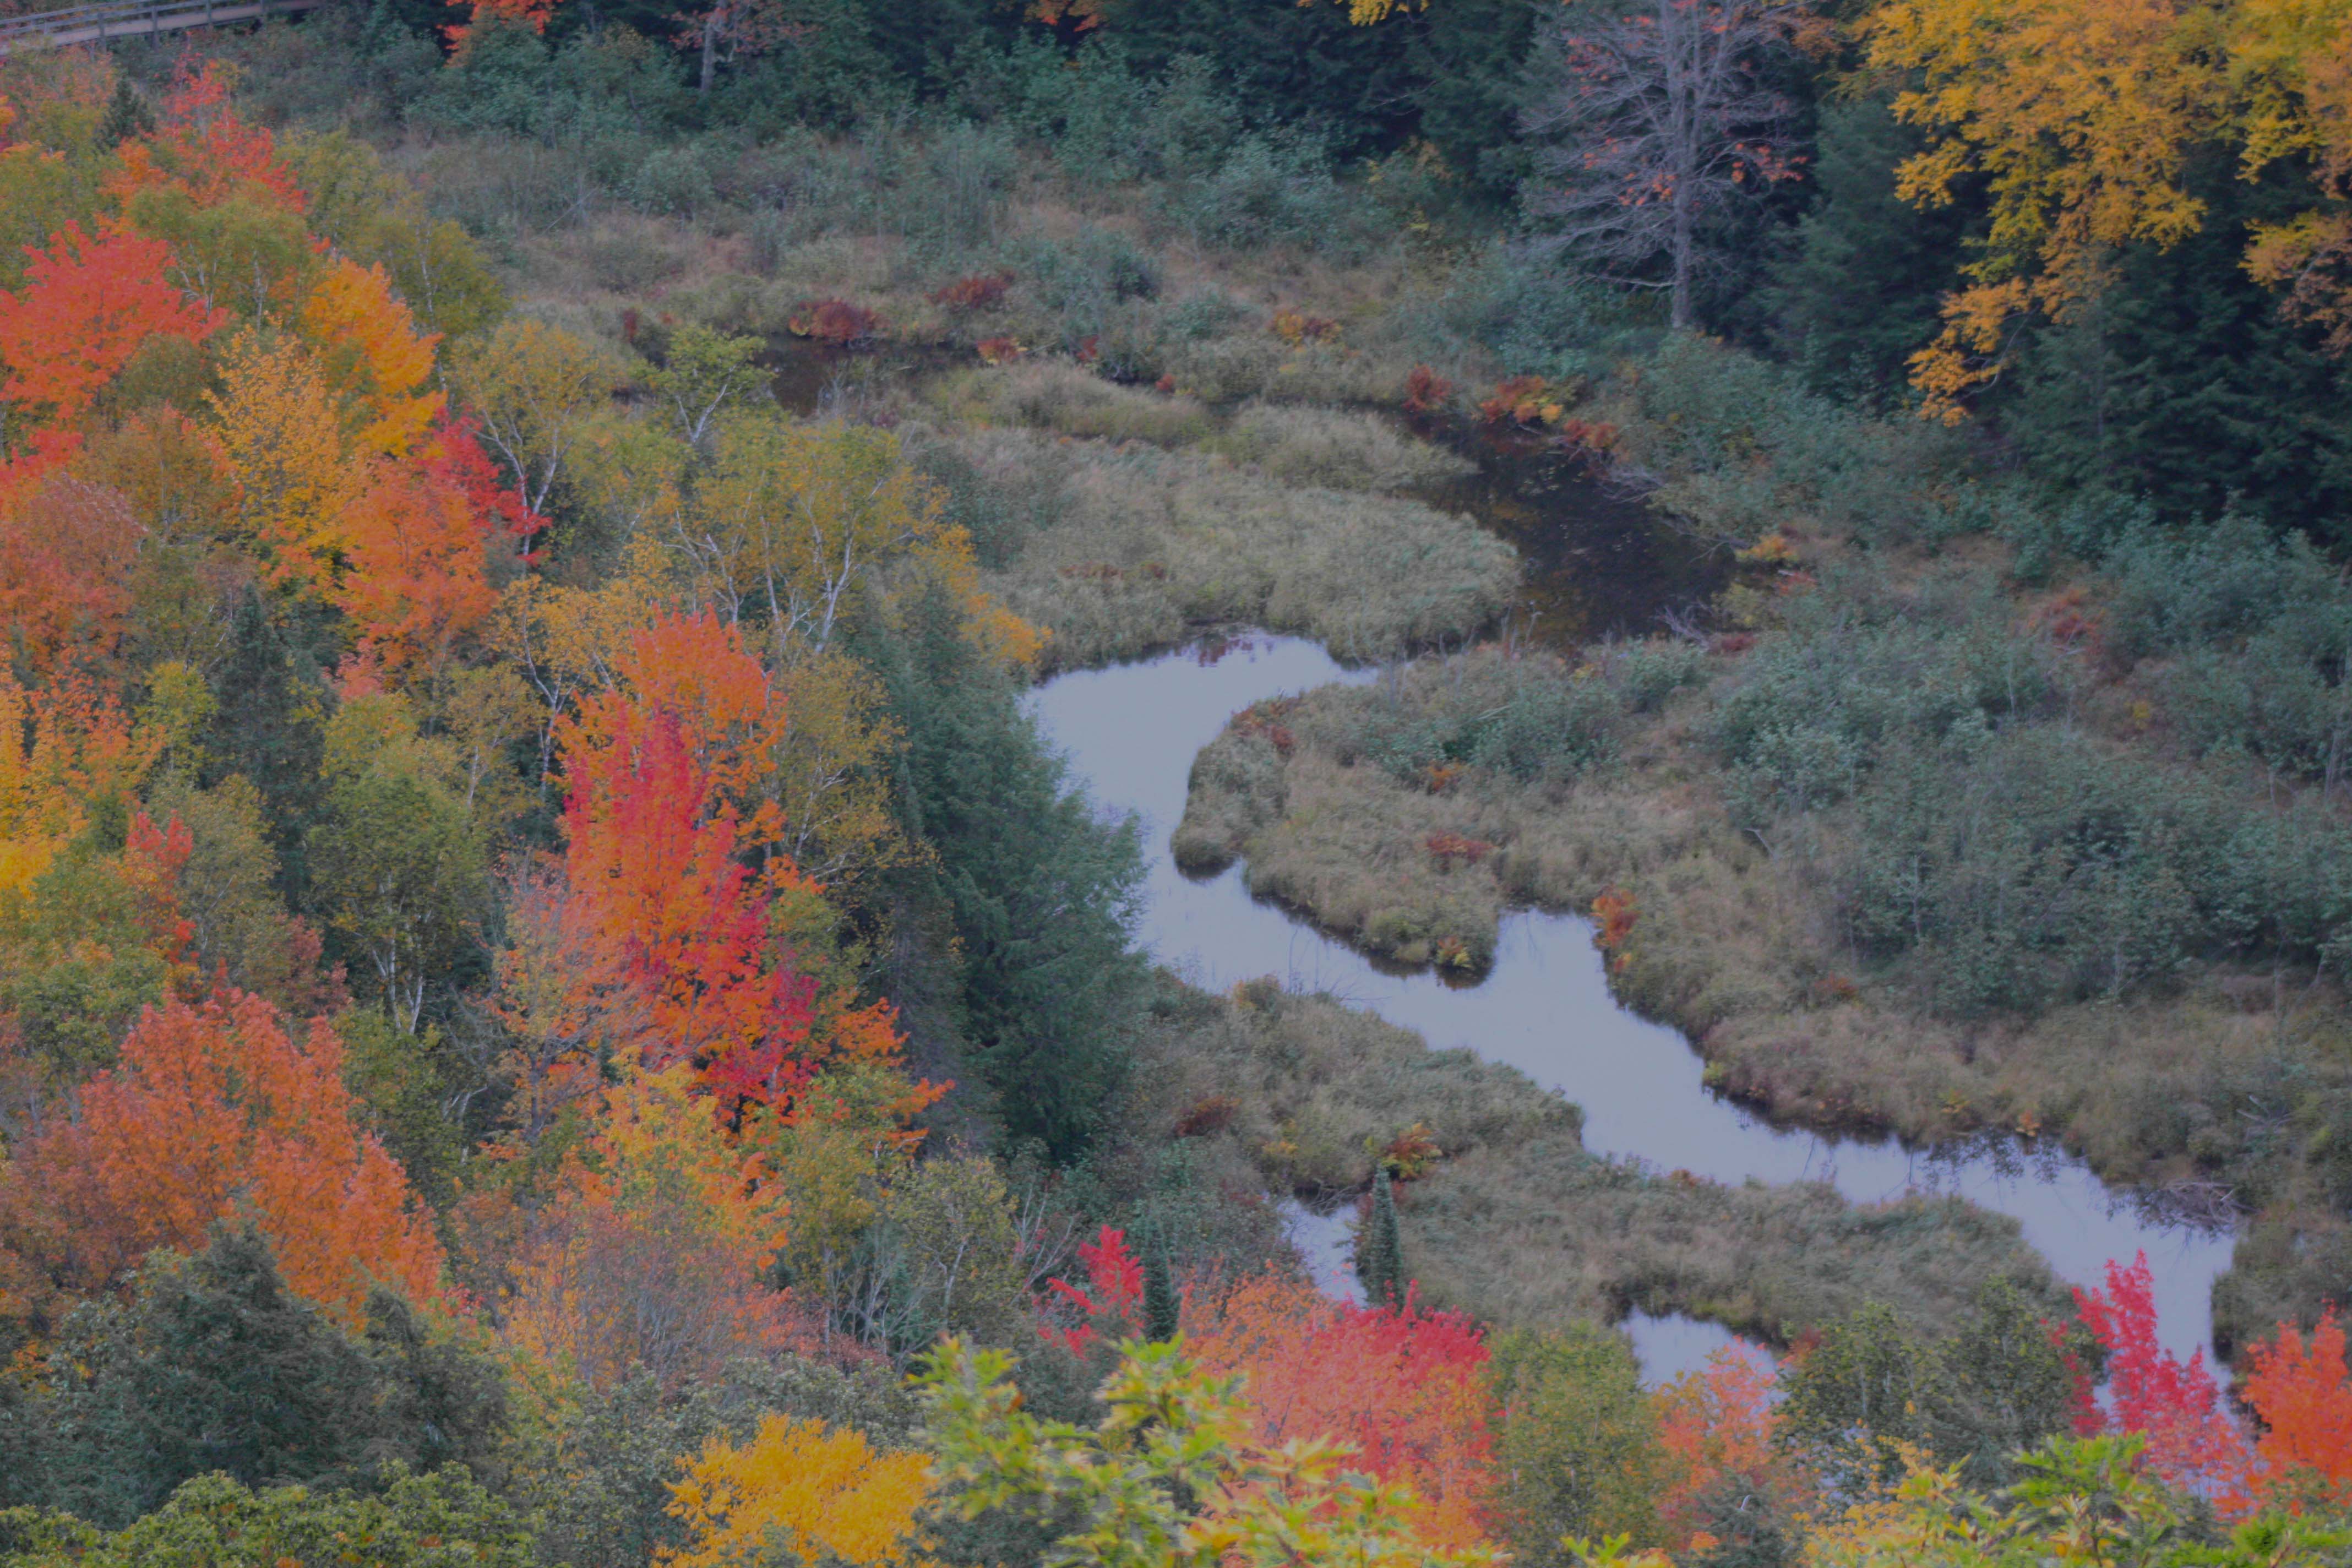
[(1578, 1447), (703, 372), (1380, 1251), (401, 869), (1172, 1474), (214, 1365), (269, 704), (440, 1521), (1035, 890)]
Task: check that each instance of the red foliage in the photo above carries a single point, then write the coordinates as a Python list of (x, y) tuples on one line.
[(1110, 1302), (151, 861), (2176, 1405), (1426, 391), (1445, 849), (650, 849), (1591, 437), (833, 322), (997, 351), (1618, 914), (977, 292), (87, 304), (1407, 1386), (1521, 400), (67, 548)]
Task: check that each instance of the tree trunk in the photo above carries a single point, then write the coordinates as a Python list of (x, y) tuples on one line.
[(711, 27)]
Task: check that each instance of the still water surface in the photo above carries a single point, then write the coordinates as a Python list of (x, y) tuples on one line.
[(1131, 732)]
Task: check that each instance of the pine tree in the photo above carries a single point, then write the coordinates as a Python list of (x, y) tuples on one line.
[(127, 115), (268, 700), (1380, 1255), (1162, 1306)]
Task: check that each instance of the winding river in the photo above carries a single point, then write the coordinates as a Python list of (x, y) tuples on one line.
[(1131, 732)]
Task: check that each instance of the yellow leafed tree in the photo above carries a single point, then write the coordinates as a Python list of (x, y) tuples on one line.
[(281, 433), (800, 1493), (2081, 112), (371, 342)]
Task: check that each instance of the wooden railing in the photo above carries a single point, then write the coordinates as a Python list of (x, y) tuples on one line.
[(133, 19)]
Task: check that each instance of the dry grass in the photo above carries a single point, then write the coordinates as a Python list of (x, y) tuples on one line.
[(1733, 943), (1344, 451), (1054, 394), (1141, 545), (1519, 1224)]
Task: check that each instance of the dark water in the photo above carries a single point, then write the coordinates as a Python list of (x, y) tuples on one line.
[(1598, 563), (1131, 732)]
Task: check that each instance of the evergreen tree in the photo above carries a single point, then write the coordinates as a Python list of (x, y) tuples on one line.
[(127, 115), (1037, 891), (1380, 1253), (214, 1366), (268, 704), (1161, 1305)]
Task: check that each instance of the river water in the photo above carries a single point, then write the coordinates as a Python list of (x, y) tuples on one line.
[(1131, 732)]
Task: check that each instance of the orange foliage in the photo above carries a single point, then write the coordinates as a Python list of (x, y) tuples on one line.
[(2300, 1389), (833, 322), (975, 293), (63, 750), (1618, 914), (1523, 400), (1714, 1424), (87, 303), (1406, 1387), (216, 1111), (1426, 391), (67, 548), (652, 1250), (532, 14), (203, 147)]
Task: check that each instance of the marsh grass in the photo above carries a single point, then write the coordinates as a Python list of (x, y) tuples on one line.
[(1301, 445), (1519, 1223), (1138, 546)]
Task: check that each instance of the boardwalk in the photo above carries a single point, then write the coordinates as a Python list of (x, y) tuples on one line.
[(133, 19)]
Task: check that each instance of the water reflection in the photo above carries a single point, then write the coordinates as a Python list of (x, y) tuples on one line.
[(1667, 1345), (1132, 732)]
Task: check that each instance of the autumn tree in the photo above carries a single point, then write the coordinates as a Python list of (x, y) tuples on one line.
[(280, 430), (651, 1251), (701, 373), (1175, 1472), (798, 1493), (1650, 125), (2299, 1389), (89, 303), (532, 387), (2174, 1406), (1405, 1385), (216, 1110)]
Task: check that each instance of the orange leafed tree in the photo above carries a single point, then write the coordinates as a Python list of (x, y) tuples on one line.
[(651, 1252), (216, 1109), (1405, 1385), (67, 548), (65, 750), (87, 303), (2300, 1389), (203, 147), (1713, 1423), (415, 567)]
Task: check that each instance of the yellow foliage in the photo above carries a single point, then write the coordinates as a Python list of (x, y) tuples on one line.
[(372, 342), (659, 1145), (2081, 112), (281, 435), (60, 751), (800, 1493)]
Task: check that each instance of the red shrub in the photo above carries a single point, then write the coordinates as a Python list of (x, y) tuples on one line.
[(833, 322), (977, 292)]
